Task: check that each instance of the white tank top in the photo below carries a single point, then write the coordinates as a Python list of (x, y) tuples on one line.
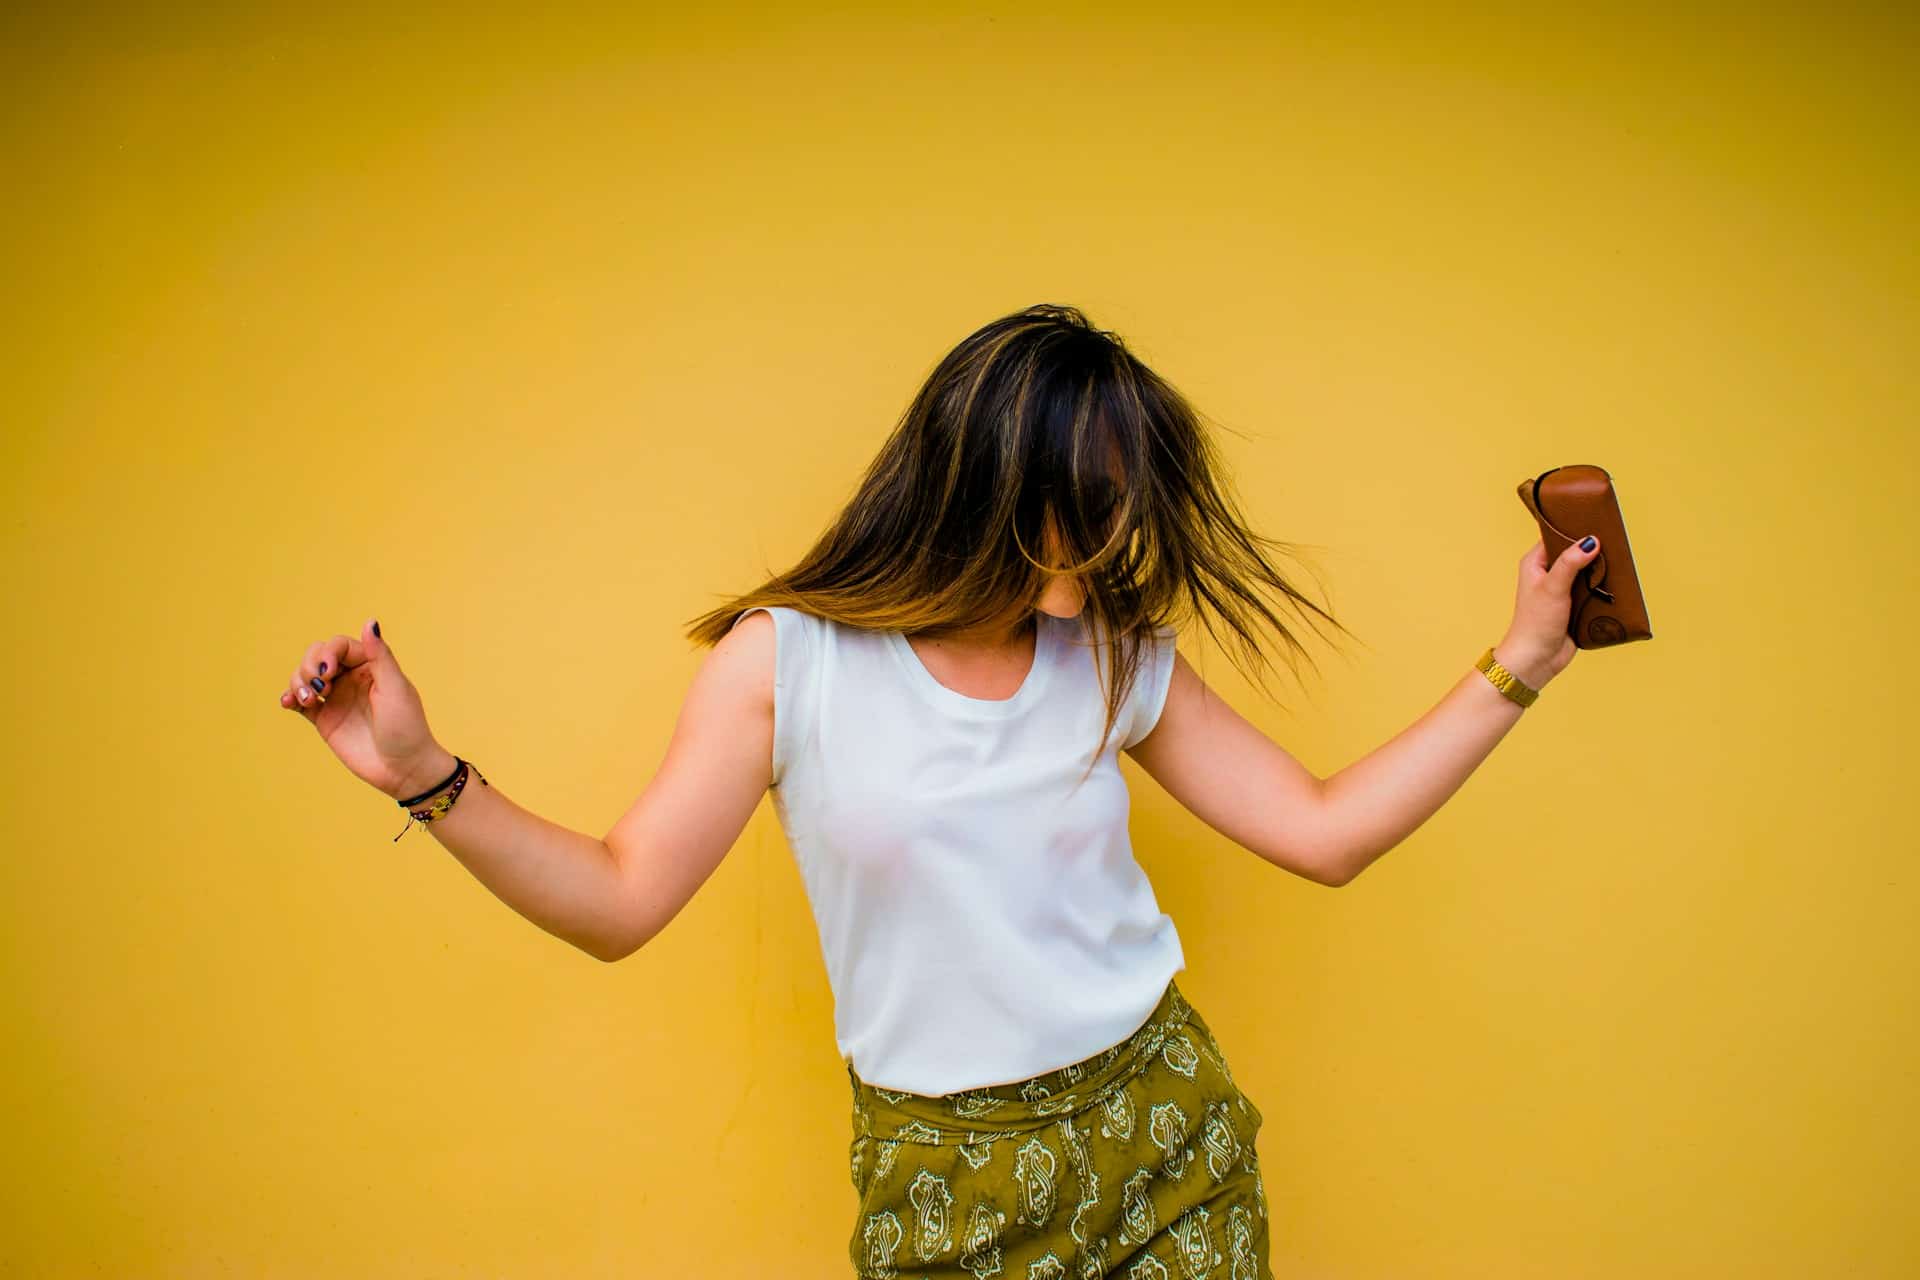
[(982, 920)]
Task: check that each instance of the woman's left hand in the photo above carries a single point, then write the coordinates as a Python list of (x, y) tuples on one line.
[(1537, 647)]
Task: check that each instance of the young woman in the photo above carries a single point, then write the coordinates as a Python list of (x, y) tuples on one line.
[(936, 697)]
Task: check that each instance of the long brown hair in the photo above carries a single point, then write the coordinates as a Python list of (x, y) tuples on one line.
[(1015, 432)]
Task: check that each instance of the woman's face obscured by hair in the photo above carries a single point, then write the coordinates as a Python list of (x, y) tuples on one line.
[(1063, 596)]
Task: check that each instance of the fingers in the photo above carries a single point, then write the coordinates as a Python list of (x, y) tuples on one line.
[(317, 671), (312, 682), (299, 695), (307, 690), (1575, 558)]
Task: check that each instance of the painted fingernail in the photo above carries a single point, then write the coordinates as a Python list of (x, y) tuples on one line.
[(376, 628), (318, 685), (304, 695), (323, 668), (1586, 543)]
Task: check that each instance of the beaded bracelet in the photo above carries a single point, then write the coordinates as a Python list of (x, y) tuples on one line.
[(456, 782)]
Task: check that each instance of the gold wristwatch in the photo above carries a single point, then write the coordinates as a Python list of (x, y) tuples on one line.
[(1504, 680)]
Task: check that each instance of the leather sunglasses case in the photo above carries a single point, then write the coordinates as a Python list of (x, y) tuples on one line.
[(1568, 503)]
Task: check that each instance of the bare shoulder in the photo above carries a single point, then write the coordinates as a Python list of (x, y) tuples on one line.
[(740, 667)]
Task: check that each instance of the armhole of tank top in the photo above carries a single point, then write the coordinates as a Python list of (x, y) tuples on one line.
[(1151, 685)]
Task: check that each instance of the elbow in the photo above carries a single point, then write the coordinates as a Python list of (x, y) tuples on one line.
[(1344, 866), (1338, 859), (615, 949), (627, 939), (623, 927), (603, 952), (1338, 849), (612, 947), (1336, 872), (1318, 864)]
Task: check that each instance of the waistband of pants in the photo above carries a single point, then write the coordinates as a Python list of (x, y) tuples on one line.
[(971, 1115)]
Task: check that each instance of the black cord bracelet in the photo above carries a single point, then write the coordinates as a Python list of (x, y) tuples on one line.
[(458, 764)]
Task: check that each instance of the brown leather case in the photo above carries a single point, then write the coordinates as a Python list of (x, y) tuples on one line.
[(1569, 503)]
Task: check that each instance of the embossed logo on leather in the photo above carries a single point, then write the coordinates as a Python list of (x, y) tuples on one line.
[(1606, 629)]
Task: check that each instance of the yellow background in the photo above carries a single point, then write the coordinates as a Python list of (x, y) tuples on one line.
[(535, 337)]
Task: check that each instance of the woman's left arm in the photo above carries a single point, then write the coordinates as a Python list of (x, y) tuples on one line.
[(1377, 801), (1250, 789)]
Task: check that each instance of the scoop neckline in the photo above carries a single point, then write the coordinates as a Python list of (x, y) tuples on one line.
[(979, 708)]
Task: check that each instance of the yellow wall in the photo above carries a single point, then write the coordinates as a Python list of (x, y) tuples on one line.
[(534, 340)]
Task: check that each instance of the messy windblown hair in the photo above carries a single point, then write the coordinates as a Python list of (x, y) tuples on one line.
[(1017, 430)]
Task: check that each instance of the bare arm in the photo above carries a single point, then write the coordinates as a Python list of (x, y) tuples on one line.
[(1380, 799), (1238, 781), (718, 765), (610, 896), (1241, 783)]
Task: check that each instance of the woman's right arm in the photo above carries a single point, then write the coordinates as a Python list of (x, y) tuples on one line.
[(718, 764), (610, 896)]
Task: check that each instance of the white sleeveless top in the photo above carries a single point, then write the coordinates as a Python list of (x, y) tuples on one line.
[(982, 920)]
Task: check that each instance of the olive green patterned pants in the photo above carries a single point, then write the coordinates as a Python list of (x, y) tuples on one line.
[(1137, 1162)]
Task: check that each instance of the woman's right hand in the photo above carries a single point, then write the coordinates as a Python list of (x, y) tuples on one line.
[(371, 718)]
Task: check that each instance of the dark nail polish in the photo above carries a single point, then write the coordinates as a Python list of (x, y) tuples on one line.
[(318, 686), (1586, 543), (323, 668), (376, 628)]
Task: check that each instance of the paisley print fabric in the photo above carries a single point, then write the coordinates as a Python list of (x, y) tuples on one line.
[(1138, 1162)]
